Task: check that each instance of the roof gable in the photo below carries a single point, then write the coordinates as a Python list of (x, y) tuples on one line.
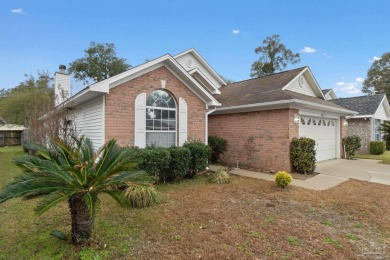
[(329, 94), (103, 87), (305, 83), (191, 60)]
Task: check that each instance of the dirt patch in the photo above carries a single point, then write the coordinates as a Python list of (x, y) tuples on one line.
[(253, 219)]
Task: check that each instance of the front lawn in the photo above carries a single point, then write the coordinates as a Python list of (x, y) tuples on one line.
[(385, 157), (246, 219)]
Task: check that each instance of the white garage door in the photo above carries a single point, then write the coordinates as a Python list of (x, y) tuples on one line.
[(323, 131)]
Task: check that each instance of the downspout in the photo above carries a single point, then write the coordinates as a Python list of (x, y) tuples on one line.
[(207, 124)]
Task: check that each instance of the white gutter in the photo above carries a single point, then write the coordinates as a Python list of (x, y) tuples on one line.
[(207, 124), (288, 102)]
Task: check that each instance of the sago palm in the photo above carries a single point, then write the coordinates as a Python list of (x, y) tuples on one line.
[(73, 172)]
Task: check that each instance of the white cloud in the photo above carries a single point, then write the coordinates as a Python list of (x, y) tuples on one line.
[(327, 55), (18, 11), (350, 88), (308, 50), (359, 80), (236, 31), (374, 58)]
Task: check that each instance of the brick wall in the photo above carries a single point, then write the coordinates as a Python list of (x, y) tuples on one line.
[(266, 133), (119, 112), (362, 128)]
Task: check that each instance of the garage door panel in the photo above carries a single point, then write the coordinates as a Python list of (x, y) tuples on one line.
[(323, 131)]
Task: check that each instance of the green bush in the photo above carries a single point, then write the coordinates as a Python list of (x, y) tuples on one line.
[(200, 154), (141, 195), (218, 146), (352, 144), (283, 179), (377, 147), (220, 177), (303, 155), (385, 129), (179, 162), (155, 161)]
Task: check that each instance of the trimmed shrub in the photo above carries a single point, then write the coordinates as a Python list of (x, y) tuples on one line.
[(352, 144), (220, 177), (283, 179), (179, 162), (200, 154), (218, 146), (303, 155), (377, 147), (141, 195), (155, 161)]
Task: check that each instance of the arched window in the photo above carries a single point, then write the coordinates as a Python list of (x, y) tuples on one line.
[(160, 119)]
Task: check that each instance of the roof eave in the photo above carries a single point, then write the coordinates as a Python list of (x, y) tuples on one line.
[(290, 103)]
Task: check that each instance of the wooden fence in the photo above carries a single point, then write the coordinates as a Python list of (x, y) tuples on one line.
[(10, 138)]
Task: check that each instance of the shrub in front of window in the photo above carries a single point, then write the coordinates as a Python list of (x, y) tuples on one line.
[(218, 146), (283, 179), (200, 154), (303, 155), (155, 161), (179, 162), (377, 147), (351, 144)]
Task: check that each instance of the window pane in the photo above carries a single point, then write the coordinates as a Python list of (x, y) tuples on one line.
[(172, 124), (172, 114), (149, 124), (157, 112), (157, 124), (164, 114), (171, 103), (160, 139), (150, 113), (164, 125)]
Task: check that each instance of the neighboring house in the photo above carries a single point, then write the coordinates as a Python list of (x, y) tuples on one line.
[(373, 111), (329, 94), (172, 99), (10, 134)]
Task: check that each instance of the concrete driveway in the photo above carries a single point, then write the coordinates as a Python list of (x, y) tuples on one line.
[(360, 169)]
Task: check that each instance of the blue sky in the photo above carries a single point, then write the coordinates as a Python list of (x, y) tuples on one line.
[(341, 37)]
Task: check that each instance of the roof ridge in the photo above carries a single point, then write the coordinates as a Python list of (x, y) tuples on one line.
[(281, 72), (379, 94)]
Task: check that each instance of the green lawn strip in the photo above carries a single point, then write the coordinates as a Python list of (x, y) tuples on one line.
[(385, 157)]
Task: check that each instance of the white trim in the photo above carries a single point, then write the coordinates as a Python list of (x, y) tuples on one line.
[(104, 120), (214, 89), (203, 62), (317, 90), (386, 106), (206, 141), (294, 103), (167, 60)]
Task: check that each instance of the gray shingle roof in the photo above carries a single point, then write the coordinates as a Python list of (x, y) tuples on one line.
[(365, 105), (325, 91), (265, 89)]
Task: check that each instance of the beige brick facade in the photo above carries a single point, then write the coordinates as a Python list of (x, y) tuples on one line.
[(361, 127), (119, 105), (258, 139)]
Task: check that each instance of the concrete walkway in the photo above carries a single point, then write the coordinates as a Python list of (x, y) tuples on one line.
[(332, 173)]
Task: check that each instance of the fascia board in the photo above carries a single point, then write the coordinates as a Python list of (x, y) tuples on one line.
[(203, 62), (293, 103)]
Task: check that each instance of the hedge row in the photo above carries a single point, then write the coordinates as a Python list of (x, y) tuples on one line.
[(173, 163)]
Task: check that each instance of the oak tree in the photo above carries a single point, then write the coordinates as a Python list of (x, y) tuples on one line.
[(274, 56)]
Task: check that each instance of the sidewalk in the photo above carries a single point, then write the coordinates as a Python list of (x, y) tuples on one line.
[(318, 182)]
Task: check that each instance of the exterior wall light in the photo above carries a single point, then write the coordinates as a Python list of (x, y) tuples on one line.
[(297, 118), (345, 123)]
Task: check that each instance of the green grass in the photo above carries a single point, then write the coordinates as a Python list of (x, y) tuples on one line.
[(385, 157)]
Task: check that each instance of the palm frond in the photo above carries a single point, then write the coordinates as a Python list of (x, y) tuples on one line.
[(118, 196), (51, 200)]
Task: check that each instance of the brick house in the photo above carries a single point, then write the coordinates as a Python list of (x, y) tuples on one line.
[(373, 111), (172, 99)]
